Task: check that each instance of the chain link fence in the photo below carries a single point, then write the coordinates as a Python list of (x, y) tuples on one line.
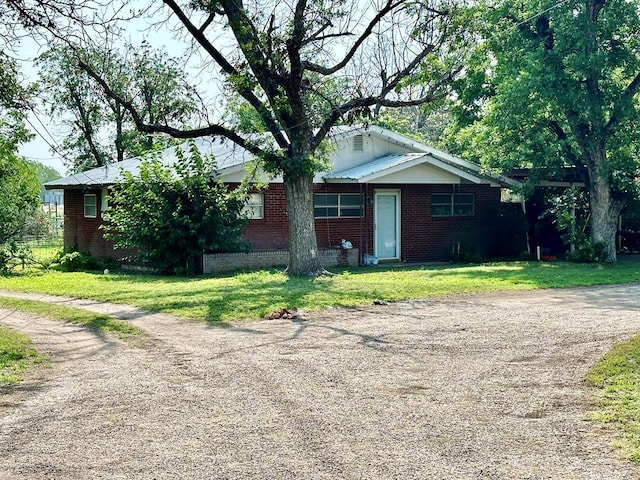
[(46, 235)]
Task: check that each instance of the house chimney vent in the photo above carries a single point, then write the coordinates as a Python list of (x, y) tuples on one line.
[(358, 143)]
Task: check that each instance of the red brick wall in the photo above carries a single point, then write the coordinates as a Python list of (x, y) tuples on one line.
[(423, 237), (428, 238), (84, 233), (270, 232)]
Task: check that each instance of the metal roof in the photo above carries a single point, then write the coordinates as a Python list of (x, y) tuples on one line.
[(394, 163), (226, 155), (229, 156), (375, 167)]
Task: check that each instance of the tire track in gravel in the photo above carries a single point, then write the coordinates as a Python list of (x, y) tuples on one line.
[(468, 387)]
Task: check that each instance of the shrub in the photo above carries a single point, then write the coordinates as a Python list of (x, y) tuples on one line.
[(70, 260), (13, 255), (173, 216), (588, 252)]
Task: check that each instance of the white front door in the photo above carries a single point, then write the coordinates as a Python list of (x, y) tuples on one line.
[(387, 224)]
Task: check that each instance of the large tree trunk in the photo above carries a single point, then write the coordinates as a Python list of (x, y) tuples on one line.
[(303, 244), (605, 210)]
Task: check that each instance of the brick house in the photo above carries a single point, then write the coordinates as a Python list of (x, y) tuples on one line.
[(392, 197)]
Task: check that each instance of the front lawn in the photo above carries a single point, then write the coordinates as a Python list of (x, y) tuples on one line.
[(16, 354), (252, 295), (617, 374), (94, 321)]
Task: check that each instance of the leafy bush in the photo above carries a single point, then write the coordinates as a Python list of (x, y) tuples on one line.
[(568, 212), (172, 217), (13, 255), (588, 252), (70, 260)]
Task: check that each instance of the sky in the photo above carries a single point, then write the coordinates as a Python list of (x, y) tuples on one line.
[(39, 148), (39, 123), (48, 136)]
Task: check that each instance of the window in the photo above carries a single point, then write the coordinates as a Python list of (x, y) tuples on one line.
[(452, 205), (358, 143), (254, 206), (334, 205), (90, 205), (104, 197)]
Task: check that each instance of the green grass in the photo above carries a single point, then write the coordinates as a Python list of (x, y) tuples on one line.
[(45, 253), (16, 355), (250, 295), (617, 374), (97, 322), (255, 294)]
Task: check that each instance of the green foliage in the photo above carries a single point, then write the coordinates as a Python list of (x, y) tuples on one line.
[(15, 255), (173, 217), (569, 211), (70, 260), (617, 375), (44, 173), (19, 187), (588, 251), (100, 130), (19, 195), (252, 295), (557, 89), (15, 99), (16, 354), (426, 123)]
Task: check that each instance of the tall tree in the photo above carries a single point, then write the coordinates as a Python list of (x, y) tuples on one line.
[(100, 130), (19, 187), (424, 122), (558, 86), (306, 66)]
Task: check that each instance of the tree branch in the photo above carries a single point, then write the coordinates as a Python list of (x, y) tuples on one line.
[(213, 130), (229, 69), (623, 102), (389, 7)]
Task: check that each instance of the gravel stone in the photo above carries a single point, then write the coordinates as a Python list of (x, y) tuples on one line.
[(465, 387)]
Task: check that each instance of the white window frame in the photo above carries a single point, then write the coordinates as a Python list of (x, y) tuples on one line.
[(338, 206), (254, 206), (104, 200), (94, 206)]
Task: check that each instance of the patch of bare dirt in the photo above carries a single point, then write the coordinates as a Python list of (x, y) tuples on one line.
[(465, 387)]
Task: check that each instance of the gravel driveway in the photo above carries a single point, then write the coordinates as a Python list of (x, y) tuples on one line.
[(464, 387)]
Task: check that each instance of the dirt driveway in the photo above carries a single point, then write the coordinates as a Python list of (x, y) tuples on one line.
[(466, 387)]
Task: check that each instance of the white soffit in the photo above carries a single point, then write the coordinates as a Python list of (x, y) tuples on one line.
[(423, 173), (412, 168)]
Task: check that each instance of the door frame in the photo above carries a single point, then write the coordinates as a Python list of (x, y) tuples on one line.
[(376, 193)]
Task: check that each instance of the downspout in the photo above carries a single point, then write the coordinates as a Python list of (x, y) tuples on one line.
[(363, 203), (369, 206)]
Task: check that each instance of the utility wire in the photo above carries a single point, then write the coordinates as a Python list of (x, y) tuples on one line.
[(533, 17)]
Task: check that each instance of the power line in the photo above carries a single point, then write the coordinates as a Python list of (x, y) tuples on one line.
[(533, 17), (53, 144)]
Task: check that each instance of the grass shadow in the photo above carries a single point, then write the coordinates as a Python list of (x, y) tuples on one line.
[(254, 294)]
